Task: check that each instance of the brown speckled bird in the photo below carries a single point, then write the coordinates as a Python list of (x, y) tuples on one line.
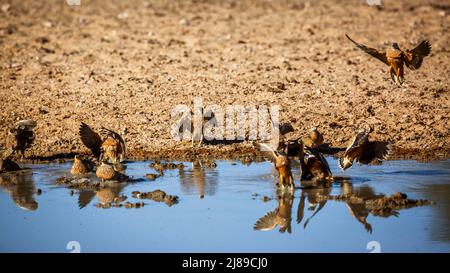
[(364, 151), (282, 165), (21, 136), (106, 171), (395, 58), (6, 163), (314, 138), (110, 147), (81, 166)]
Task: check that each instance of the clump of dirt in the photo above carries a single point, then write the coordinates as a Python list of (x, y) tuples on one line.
[(130, 205), (397, 201), (157, 196), (266, 199), (383, 206), (161, 167), (152, 176), (79, 183)]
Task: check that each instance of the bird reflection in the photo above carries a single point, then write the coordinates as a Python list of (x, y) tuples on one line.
[(281, 216), (200, 176), (315, 202), (359, 210), (106, 196), (355, 197), (359, 200), (20, 186)]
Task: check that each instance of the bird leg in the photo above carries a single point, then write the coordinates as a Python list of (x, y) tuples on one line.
[(393, 77)]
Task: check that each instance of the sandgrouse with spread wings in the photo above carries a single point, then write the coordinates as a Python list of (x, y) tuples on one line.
[(109, 148), (364, 151), (396, 58)]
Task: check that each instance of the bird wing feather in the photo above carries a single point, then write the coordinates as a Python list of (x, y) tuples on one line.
[(267, 222), (371, 51), (84, 198), (414, 57), (374, 150), (265, 148), (90, 139)]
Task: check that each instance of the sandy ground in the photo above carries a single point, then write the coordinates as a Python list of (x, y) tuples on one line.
[(125, 65)]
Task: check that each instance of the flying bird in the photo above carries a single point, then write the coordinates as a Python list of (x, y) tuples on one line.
[(110, 147), (395, 58), (364, 151)]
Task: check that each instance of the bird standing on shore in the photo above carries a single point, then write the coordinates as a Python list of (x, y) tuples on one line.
[(395, 58), (21, 136), (81, 166), (6, 163), (314, 139), (106, 171)]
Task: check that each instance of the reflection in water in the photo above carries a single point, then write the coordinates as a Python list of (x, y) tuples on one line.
[(20, 186), (280, 216), (440, 223), (315, 202), (356, 198), (106, 196), (352, 204), (201, 176), (359, 211)]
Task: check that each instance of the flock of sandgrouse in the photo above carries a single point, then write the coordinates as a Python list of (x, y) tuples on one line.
[(108, 147)]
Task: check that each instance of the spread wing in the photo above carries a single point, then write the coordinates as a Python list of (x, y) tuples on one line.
[(356, 145), (325, 148), (267, 222), (371, 51), (85, 198), (90, 139), (266, 149), (116, 136), (374, 150), (414, 57)]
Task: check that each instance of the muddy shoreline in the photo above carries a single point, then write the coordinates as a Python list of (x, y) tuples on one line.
[(240, 152), (125, 65)]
